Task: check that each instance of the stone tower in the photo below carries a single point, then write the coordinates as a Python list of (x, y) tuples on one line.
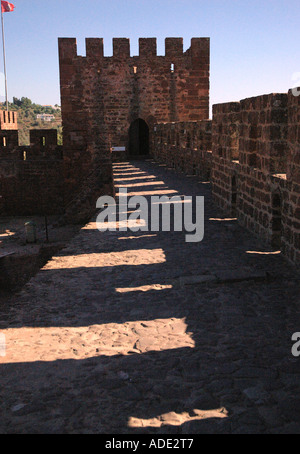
[(113, 102)]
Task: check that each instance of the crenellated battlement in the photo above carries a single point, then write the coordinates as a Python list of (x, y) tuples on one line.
[(147, 47), (8, 120), (43, 138), (67, 49), (174, 47), (43, 145), (94, 48), (9, 139), (121, 48)]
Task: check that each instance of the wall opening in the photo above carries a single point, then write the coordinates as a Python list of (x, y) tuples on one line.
[(188, 140), (173, 139), (139, 138), (234, 142), (276, 221), (252, 160)]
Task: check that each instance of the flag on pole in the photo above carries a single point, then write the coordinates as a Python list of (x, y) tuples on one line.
[(7, 7)]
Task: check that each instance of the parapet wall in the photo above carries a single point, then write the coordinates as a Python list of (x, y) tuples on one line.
[(252, 169), (225, 140), (198, 51), (293, 168), (185, 146), (31, 178), (43, 145), (255, 164)]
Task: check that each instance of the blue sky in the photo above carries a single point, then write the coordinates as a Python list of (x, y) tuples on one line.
[(254, 43)]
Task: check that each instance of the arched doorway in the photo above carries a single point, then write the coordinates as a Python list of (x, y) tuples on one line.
[(138, 138)]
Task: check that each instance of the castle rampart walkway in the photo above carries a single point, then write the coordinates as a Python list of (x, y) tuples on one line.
[(142, 332)]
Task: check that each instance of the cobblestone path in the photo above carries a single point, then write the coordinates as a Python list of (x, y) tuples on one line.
[(142, 332)]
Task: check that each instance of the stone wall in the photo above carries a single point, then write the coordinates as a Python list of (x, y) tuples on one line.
[(263, 158), (185, 146), (250, 147), (225, 139), (255, 163), (31, 178), (291, 190)]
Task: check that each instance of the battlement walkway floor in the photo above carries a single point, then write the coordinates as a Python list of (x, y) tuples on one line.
[(142, 332)]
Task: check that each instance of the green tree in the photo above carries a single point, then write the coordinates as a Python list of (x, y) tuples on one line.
[(25, 102), (16, 101)]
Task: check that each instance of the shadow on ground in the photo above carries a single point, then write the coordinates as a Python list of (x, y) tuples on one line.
[(144, 333)]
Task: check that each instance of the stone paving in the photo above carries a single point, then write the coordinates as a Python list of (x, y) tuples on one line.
[(126, 333)]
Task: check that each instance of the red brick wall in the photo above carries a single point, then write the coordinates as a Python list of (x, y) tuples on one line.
[(249, 148), (267, 176), (263, 154), (255, 163), (263, 133), (31, 178), (225, 148), (32, 187)]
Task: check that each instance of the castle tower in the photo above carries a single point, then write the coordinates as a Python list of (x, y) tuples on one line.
[(113, 102), (8, 120)]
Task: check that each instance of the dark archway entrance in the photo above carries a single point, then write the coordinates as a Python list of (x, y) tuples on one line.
[(139, 138)]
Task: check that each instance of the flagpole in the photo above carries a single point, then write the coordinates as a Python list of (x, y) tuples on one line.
[(4, 59)]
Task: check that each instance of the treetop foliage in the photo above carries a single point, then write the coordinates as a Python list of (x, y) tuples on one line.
[(26, 103)]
